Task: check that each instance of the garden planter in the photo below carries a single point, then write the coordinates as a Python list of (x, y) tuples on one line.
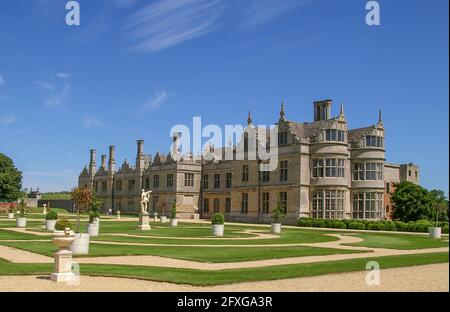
[(10, 215), (217, 229), (276, 228), (80, 245), (163, 219), (21, 222), (50, 225), (435, 232), (93, 229), (173, 222)]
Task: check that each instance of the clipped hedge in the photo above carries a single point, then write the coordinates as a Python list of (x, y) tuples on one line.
[(62, 224), (412, 226)]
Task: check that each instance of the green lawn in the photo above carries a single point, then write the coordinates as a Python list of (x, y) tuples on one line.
[(11, 235), (398, 241), (206, 278), (201, 254)]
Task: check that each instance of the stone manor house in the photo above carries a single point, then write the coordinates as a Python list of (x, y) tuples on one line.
[(325, 170)]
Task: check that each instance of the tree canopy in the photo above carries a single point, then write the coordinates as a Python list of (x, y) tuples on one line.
[(413, 202), (10, 180)]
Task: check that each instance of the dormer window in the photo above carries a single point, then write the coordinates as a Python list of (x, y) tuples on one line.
[(374, 141), (333, 135), (282, 138)]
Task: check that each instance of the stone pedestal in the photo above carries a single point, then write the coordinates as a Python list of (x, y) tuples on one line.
[(195, 216), (63, 267), (118, 216), (63, 257), (144, 222)]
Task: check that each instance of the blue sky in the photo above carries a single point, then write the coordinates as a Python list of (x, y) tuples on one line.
[(135, 68)]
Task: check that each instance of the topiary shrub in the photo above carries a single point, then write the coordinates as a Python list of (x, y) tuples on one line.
[(62, 224), (390, 226), (356, 226), (401, 226), (305, 222), (318, 223), (422, 226), (328, 223), (376, 226), (51, 215), (217, 218), (338, 225), (445, 229)]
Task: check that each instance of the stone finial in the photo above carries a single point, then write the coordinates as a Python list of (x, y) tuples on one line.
[(249, 118), (282, 113)]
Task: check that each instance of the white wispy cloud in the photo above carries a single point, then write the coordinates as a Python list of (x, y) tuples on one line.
[(166, 23), (156, 101), (62, 75), (57, 90), (263, 11), (124, 3), (46, 85), (2, 80), (63, 173), (92, 122), (58, 98), (7, 119)]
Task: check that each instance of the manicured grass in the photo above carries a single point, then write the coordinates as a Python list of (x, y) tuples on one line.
[(288, 236), (12, 223), (398, 241), (206, 278), (201, 254), (11, 235)]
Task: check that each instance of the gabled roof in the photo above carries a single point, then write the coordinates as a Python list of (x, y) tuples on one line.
[(358, 133)]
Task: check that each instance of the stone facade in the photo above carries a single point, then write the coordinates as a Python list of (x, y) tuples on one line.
[(325, 170)]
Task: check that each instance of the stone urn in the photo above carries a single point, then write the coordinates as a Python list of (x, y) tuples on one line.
[(10, 215), (163, 219), (174, 222), (217, 229), (276, 228), (21, 222), (80, 245), (435, 232), (63, 257), (63, 239), (93, 229), (50, 225)]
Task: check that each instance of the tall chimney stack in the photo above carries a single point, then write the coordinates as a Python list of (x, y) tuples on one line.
[(104, 162), (92, 163), (112, 160), (140, 162)]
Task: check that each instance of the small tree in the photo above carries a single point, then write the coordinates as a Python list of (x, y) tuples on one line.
[(94, 209), (11, 208), (278, 211), (22, 208), (173, 212), (82, 197)]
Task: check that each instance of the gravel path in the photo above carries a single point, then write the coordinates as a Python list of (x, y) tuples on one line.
[(434, 277), (21, 256)]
